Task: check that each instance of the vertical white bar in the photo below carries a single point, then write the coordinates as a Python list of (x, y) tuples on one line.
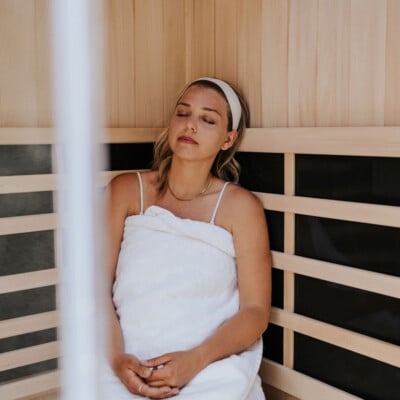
[(77, 62)]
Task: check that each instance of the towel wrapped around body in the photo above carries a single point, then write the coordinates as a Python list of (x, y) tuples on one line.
[(176, 283)]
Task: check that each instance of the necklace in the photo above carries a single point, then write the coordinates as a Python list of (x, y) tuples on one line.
[(204, 190)]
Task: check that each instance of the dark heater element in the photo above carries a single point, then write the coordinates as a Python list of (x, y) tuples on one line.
[(126, 156), (25, 159), (360, 179)]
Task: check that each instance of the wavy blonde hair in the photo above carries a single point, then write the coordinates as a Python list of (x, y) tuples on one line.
[(224, 166)]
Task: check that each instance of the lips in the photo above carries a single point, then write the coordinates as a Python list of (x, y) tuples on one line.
[(187, 139)]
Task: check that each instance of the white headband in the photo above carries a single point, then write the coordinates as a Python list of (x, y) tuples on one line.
[(231, 96)]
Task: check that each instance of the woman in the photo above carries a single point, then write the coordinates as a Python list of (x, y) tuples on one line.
[(190, 261)]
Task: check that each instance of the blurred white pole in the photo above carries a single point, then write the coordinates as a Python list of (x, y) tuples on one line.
[(78, 67)]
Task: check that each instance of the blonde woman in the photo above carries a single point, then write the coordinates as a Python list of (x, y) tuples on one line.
[(190, 281)]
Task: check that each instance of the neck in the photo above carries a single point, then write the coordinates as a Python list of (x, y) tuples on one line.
[(188, 181)]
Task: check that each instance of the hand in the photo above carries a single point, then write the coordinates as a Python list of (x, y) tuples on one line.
[(173, 370), (133, 375)]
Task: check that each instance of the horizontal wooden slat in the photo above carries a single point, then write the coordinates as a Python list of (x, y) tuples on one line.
[(29, 323), (30, 386), (28, 223), (45, 182), (26, 136), (344, 338), (28, 280), (28, 183), (29, 355), (352, 141), (343, 210), (374, 282), (300, 385), (132, 135)]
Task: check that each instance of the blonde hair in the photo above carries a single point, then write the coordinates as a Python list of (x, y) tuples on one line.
[(224, 166)]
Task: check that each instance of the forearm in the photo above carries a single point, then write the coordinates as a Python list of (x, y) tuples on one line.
[(234, 335), (116, 339)]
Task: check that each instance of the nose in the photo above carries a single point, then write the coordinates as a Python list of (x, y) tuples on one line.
[(191, 125)]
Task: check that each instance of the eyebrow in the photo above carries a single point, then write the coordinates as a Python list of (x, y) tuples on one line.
[(204, 108)]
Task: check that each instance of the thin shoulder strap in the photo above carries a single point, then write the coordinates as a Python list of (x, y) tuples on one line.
[(141, 191), (221, 193)]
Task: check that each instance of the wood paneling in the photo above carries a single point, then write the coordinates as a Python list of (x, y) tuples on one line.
[(300, 63)]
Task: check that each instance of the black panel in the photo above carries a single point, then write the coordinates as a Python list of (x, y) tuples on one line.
[(25, 159), (26, 252), (27, 302), (28, 370), (359, 375), (273, 343), (361, 311), (370, 247), (28, 339), (17, 204), (123, 156), (261, 172), (361, 179), (275, 229)]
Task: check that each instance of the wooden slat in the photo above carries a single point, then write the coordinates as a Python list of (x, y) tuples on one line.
[(333, 63), (20, 135), (132, 135), (28, 183), (28, 280), (119, 63), (149, 73), (30, 323), (29, 386), (350, 141), (386, 285), (45, 182), (367, 46), (274, 75), (29, 355), (29, 223), (249, 55), (343, 210), (302, 62), (300, 385), (392, 81), (370, 347)]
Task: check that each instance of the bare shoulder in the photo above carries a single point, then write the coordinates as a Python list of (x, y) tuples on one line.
[(242, 206), (123, 189)]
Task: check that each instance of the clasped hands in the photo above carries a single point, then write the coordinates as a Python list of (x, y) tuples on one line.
[(160, 377)]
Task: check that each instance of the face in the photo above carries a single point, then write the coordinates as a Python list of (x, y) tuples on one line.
[(198, 126)]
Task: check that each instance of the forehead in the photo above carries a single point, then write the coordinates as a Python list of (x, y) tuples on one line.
[(197, 95)]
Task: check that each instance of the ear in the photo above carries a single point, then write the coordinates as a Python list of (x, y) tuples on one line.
[(229, 140)]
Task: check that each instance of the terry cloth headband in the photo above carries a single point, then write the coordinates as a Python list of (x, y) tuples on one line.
[(231, 96)]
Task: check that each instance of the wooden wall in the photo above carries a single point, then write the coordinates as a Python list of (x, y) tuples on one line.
[(300, 62)]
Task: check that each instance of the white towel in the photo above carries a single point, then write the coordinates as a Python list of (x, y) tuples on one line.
[(175, 284)]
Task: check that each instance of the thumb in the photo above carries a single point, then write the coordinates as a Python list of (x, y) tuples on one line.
[(141, 370)]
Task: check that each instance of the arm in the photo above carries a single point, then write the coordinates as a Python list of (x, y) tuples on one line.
[(247, 222), (126, 366)]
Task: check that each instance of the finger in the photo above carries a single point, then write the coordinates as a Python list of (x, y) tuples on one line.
[(159, 392), (159, 374), (157, 383), (155, 362), (141, 370)]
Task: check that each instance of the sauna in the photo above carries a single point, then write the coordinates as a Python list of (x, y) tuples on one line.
[(322, 153)]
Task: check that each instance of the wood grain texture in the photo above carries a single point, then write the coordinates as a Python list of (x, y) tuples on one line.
[(120, 63), (392, 72), (249, 56), (274, 63), (367, 62)]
